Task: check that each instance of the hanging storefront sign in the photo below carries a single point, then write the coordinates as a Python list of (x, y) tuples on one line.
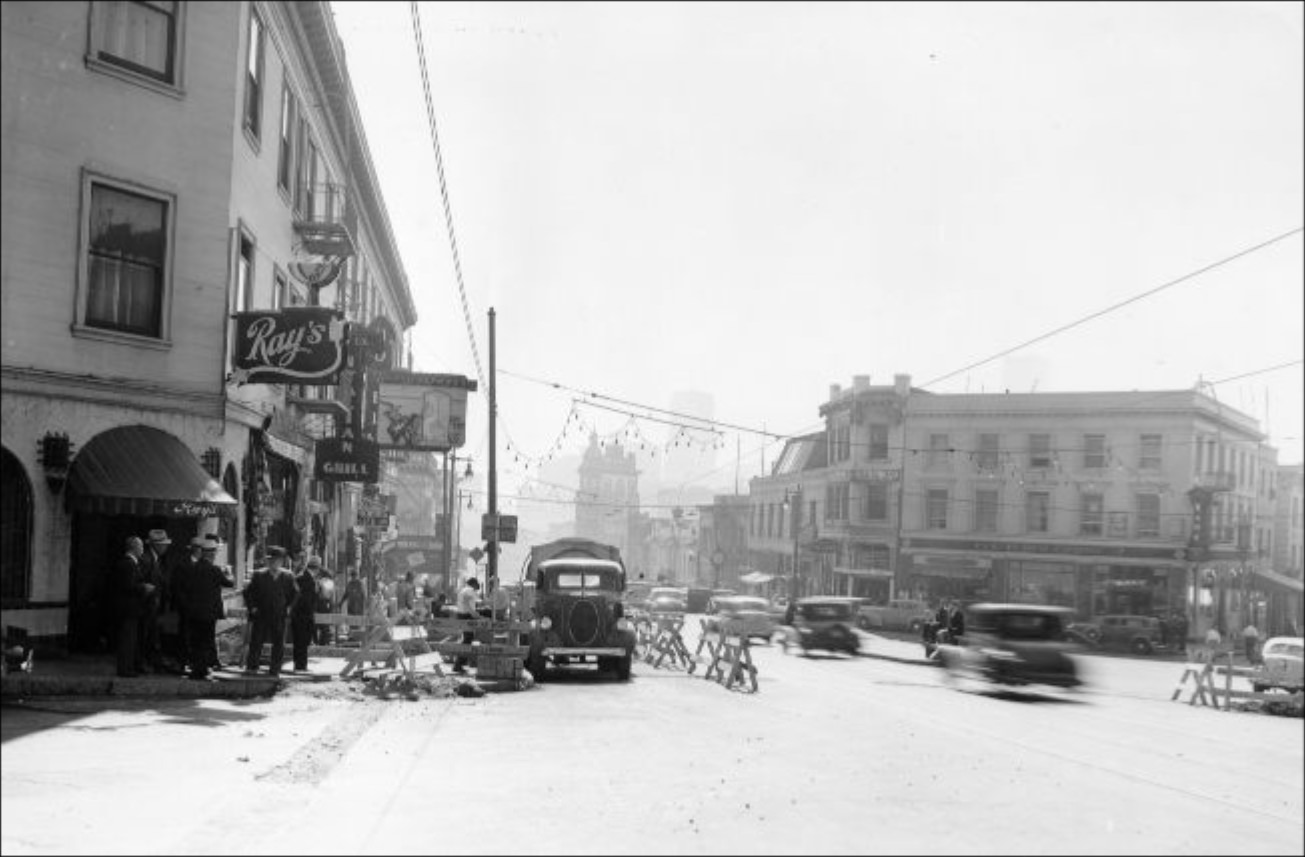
[(301, 345), (347, 459), (421, 411)]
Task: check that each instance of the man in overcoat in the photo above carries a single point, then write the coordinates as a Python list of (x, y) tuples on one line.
[(129, 593), (269, 594), (203, 593)]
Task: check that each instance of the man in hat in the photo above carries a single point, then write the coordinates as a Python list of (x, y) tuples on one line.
[(129, 593), (467, 596), (204, 607), (153, 573), (181, 589), (268, 595), (301, 613)]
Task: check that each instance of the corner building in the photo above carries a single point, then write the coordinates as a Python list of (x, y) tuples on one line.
[(166, 165)]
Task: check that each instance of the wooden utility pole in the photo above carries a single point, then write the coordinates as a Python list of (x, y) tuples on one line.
[(491, 572)]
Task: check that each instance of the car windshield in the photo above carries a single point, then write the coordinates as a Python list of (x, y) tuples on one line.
[(825, 611), (1028, 626), (1296, 650), (584, 580)]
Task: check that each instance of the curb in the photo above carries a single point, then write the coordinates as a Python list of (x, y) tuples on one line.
[(20, 687)]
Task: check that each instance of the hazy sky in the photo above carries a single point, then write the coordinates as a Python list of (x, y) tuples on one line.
[(758, 200)]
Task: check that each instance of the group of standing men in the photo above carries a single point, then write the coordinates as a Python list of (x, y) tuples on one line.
[(143, 587)]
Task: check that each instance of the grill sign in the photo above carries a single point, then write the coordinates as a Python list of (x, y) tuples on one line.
[(299, 345)]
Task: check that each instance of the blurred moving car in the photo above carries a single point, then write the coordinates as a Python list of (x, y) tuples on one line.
[(899, 614), (1282, 665), (1012, 644), (746, 615), (826, 623), (717, 594)]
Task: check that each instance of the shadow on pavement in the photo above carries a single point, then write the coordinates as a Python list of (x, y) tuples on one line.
[(23, 717)]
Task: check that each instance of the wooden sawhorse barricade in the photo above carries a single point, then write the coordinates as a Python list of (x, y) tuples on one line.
[(1208, 692), (729, 654), (667, 641), (498, 650)]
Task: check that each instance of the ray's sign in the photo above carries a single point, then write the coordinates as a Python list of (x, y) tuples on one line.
[(301, 345)]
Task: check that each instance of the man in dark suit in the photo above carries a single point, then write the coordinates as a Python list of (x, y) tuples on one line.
[(301, 613), (153, 572), (268, 595), (129, 593), (203, 593)]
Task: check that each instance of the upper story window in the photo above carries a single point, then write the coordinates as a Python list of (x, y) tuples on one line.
[(285, 157), (988, 452), (245, 273), (127, 259), (878, 442), (1092, 515), (841, 447), (935, 509), (1040, 450), (836, 502), (1038, 511), (939, 449), (138, 37), (876, 501), (1148, 516), (281, 295), (1094, 450), (985, 511), (1148, 457), (254, 76)]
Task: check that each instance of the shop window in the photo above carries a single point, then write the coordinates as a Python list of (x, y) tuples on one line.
[(15, 532), (126, 258), (936, 509), (137, 38)]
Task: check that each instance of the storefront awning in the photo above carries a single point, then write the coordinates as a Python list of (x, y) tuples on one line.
[(1290, 584), (138, 470), (756, 578)]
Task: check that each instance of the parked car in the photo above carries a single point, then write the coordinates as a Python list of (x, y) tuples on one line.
[(899, 614), (1281, 664), (666, 599), (717, 594), (1012, 644), (746, 615), (1140, 635), (826, 623)]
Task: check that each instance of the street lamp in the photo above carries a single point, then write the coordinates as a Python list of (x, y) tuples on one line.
[(793, 505)]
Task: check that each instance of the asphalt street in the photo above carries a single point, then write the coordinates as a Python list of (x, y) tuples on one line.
[(832, 755)]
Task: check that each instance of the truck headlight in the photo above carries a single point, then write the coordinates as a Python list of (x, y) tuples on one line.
[(624, 625), (545, 623)]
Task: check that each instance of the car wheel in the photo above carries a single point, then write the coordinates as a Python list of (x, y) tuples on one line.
[(1141, 647), (863, 623)]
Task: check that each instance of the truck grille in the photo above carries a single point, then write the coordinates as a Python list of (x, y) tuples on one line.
[(582, 624)]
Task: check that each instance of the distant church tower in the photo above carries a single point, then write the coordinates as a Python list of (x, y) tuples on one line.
[(607, 504)]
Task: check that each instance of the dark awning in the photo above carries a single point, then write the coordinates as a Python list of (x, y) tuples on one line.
[(138, 470)]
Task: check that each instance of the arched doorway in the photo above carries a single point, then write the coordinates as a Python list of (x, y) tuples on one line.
[(15, 532)]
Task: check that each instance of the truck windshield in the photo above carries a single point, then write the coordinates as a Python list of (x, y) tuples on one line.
[(585, 580)]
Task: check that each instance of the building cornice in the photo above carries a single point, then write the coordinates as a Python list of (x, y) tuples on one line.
[(125, 392)]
